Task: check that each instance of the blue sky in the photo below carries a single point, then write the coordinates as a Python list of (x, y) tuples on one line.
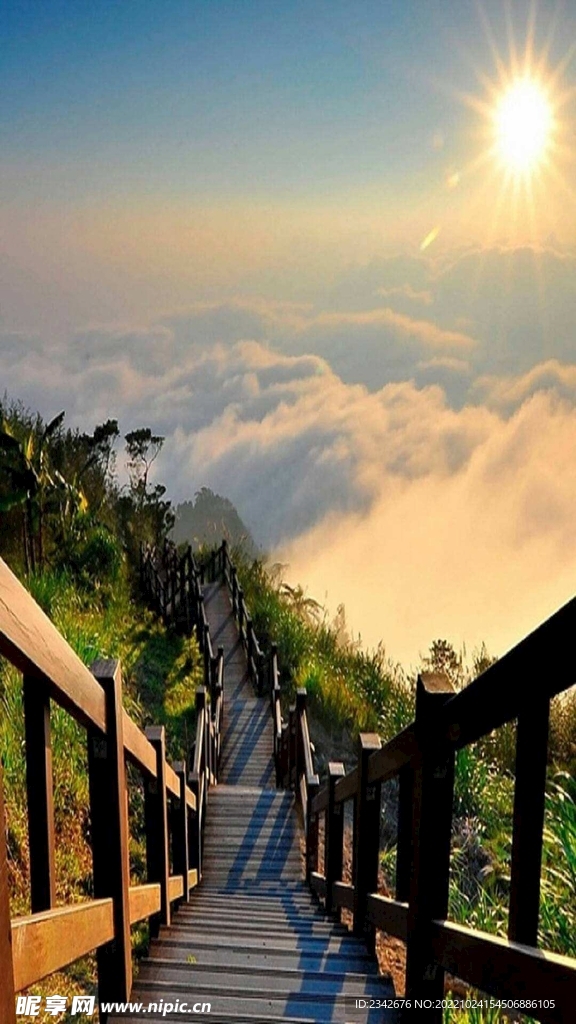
[(263, 99), (277, 233)]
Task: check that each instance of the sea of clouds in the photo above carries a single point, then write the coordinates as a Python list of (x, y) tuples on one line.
[(406, 442)]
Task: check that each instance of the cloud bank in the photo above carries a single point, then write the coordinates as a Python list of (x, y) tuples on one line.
[(382, 441)]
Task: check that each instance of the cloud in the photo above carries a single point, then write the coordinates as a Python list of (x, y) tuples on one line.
[(406, 291), (510, 391), (484, 553), (423, 332), (414, 468)]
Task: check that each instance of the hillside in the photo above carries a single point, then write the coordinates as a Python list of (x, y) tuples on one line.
[(206, 520)]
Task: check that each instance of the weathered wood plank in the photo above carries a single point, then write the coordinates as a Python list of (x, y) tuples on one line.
[(172, 781), (500, 693), (31, 642), (334, 833), (366, 836), (391, 916), (44, 943), (156, 822), (507, 970), (320, 801), (527, 832), (318, 883), (388, 761), (175, 887), (110, 835), (137, 747), (144, 901), (7, 1002), (346, 788), (343, 895), (180, 832), (40, 795), (432, 797)]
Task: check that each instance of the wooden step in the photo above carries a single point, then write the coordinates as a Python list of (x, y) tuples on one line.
[(265, 1004), (243, 980), (252, 941)]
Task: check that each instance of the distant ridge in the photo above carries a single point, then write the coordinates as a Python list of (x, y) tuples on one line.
[(207, 519)]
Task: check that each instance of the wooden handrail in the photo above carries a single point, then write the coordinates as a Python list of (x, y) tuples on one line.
[(50, 938), (47, 942), (33, 644), (425, 750)]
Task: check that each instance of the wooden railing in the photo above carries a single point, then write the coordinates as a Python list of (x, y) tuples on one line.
[(172, 584), (519, 687), (422, 759), (51, 937)]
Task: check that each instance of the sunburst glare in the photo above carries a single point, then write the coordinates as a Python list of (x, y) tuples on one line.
[(523, 121), (523, 138)]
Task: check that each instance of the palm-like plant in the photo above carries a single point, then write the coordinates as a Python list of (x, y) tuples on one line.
[(28, 476)]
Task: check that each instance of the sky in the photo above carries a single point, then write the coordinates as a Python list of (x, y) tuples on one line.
[(328, 250)]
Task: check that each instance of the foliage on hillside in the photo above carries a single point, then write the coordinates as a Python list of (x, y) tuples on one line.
[(61, 503), (206, 520), (73, 535), (349, 688)]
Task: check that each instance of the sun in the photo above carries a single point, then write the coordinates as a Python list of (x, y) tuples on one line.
[(523, 123)]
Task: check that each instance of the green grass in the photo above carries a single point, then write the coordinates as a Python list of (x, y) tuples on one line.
[(348, 688)]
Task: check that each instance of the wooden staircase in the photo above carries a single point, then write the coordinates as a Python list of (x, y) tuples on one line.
[(252, 940)]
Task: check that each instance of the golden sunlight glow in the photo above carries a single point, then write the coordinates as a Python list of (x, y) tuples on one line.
[(523, 122), (518, 180)]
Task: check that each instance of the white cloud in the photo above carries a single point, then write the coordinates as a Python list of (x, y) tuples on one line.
[(413, 468)]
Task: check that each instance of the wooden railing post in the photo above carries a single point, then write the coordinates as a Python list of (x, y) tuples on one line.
[(223, 557), (366, 836), (527, 833), (40, 796), (198, 785), (333, 833), (7, 995), (433, 787), (110, 837), (261, 668), (250, 648), (273, 670), (207, 659), (200, 624), (292, 748), (404, 834), (180, 830), (195, 844), (283, 769), (299, 763), (311, 831), (156, 817), (234, 591)]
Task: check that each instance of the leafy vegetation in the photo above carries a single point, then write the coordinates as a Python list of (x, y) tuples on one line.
[(73, 534), (207, 519), (350, 689), (61, 503)]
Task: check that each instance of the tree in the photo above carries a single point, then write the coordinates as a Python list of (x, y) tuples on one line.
[(145, 513), (26, 464), (143, 448), (443, 658)]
